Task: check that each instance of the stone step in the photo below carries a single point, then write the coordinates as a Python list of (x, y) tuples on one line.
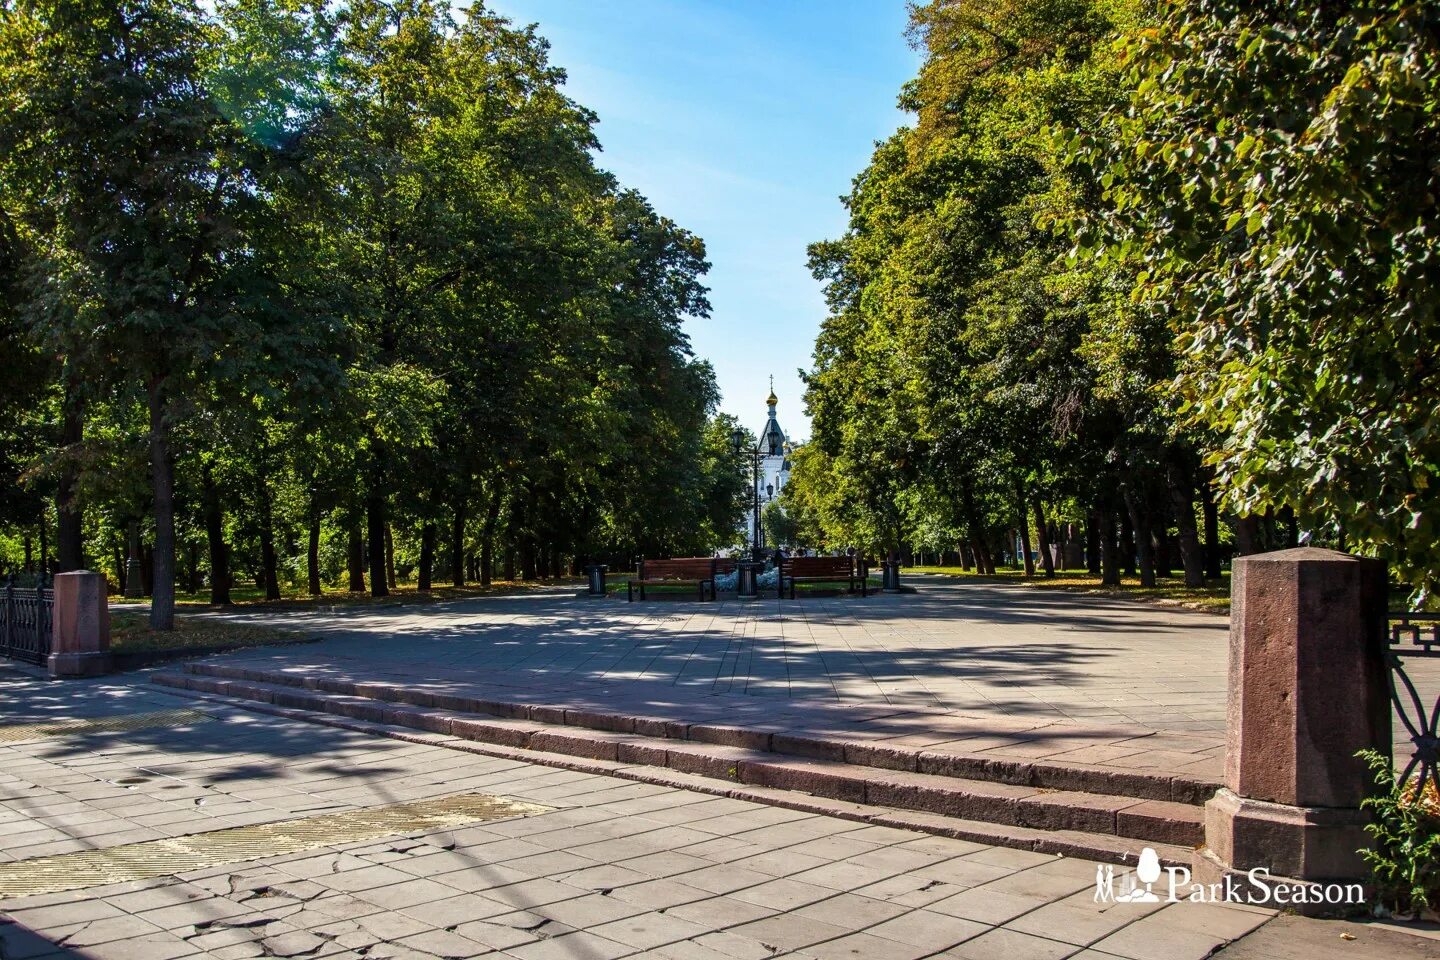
[(853, 749), (951, 797), (1069, 843)]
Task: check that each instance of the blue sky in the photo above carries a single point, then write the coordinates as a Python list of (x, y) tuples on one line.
[(743, 121)]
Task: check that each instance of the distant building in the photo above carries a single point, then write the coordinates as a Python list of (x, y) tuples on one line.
[(774, 468)]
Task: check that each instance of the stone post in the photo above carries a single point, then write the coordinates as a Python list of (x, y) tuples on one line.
[(1307, 689), (80, 626)]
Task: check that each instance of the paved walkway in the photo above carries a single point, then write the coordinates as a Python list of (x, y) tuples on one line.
[(971, 647), (981, 667), (984, 668), (614, 869)]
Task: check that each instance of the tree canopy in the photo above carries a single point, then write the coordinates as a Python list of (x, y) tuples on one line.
[(1154, 280), (1272, 189), (322, 291)]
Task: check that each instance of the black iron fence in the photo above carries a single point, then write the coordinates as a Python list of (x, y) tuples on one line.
[(25, 619), (1416, 637)]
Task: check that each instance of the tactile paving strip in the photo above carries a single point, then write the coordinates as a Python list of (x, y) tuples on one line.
[(162, 858), (14, 733)]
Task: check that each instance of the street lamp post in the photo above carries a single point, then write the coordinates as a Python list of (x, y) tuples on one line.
[(757, 532)]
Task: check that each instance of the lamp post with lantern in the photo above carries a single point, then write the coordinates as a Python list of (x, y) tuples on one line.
[(757, 531)]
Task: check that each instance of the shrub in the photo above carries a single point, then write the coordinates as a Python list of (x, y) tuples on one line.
[(1405, 829)]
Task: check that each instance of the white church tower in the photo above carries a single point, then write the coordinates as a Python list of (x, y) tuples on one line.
[(774, 470)]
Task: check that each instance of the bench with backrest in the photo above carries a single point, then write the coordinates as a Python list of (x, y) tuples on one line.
[(844, 570), (684, 571)]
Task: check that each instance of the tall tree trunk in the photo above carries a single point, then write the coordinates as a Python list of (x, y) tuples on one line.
[(269, 563), (1140, 523), (520, 534), (134, 559), (1022, 515), (457, 537), (1092, 542), (427, 556), (1109, 548), (192, 572), (1047, 556), (312, 553), (1127, 538), (984, 561), (1160, 548), (215, 538), (69, 522), (44, 547), (1292, 527), (487, 538), (162, 481), (1182, 502), (355, 558), (1267, 524), (1247, 535), (389, 556), (375, 540), (984, 558), (1211, 514), (1158, 520), (508, 570)]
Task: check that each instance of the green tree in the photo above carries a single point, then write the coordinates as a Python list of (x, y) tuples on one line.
[(111, 125), (968, 374), (1273, 189), (345, 275)]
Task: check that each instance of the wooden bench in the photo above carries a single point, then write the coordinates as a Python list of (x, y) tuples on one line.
[(844, 570), (685, 571)]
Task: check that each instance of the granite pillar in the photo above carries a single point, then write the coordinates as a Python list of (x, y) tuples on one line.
[(80, 625), (1307, 690)]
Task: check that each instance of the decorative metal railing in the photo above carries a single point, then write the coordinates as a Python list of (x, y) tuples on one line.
[(25, 618), (1416, 636)]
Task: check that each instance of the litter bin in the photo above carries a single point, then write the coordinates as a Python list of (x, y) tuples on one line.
[(596, 573), (745, 573), (890, 576)]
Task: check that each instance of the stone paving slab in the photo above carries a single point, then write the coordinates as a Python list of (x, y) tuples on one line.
[(618, 869), (972, 667), (982, 648), (1082, 678)]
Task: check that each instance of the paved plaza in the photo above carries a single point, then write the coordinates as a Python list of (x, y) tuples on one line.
[(1002, 668), (991, 668), (964, 646), (99, 779), (609, 869)]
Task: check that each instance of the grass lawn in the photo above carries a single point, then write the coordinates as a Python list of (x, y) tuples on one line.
[(131, 633), (404, 593), (1212, 598)]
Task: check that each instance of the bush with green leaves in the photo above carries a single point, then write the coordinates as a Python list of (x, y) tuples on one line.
[(1405, 827)]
